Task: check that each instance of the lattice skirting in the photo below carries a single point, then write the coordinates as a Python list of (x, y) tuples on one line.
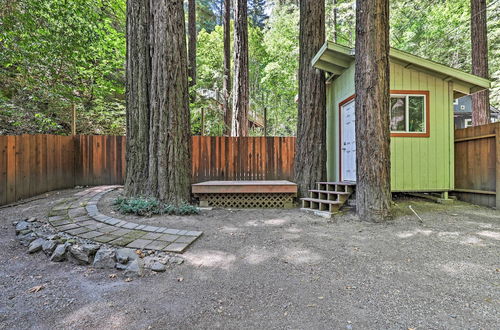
[(247, 200)]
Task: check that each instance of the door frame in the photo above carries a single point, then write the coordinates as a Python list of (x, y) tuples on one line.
[(341, 104)]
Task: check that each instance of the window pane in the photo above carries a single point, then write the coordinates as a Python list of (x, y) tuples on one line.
[(398, 113), (416, 113)]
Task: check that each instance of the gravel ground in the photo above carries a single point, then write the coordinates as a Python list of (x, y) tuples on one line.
[(274, 269)]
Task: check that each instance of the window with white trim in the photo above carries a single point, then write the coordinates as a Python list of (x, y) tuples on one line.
[(408, 113)]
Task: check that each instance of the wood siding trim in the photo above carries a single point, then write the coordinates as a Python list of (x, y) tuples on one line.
[(427, 114)]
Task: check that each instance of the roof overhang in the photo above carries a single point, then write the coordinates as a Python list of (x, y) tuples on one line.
[(335, 59)]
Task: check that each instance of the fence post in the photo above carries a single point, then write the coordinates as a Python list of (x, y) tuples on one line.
[(497, 148)]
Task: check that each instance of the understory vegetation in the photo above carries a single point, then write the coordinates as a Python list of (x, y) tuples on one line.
[(150, 206), (56, 54)]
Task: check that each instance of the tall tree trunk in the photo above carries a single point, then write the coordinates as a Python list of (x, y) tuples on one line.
[(310, 156), (241, 84), (158, 141), (479, 38), (373, 189), (192, 41), (226, 82), (138, 73), (335, 21)]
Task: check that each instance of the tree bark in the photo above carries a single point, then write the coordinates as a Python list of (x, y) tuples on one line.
[(159, 139), (373, 186), (138, 72), (241, 84), (335, 21), (192, 41), (226, 82), (479, 38), (310, 156)]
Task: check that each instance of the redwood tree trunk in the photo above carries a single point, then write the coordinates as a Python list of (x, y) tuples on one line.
[(241, 84), (138, 73), (226, 82), (310, 156), (479, 38), (161, 161), (373, 189), (192, 41)]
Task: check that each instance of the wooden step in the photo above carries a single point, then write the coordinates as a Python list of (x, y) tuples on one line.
[(347, 183), (330, 192), (315, 200), (321, 205)]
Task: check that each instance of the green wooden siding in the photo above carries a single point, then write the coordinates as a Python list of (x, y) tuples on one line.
[(417, 163)]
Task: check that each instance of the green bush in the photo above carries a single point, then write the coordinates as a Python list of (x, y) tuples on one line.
[(150, 206)]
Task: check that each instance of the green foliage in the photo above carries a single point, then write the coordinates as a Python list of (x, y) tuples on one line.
[(151, 206), (56, 53)]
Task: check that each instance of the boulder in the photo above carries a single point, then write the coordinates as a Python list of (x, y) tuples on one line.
[(49, 246), (120, 266), (149, 261), (135, 268), (91, 249), (26, 239), (22, 226), (124, 255), (176, 260), (158, 267), (59, 253), (104, 258), (36, 245), (79, 255)]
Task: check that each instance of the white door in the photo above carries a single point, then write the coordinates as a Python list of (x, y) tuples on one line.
[(348, 142)]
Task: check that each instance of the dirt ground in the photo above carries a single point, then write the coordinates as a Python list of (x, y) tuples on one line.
[(274, 268)]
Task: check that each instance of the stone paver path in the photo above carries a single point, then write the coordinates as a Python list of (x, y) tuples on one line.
[(79, 216)]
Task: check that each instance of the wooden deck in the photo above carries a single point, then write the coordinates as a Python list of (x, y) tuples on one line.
[(242, 194), (250, 187)]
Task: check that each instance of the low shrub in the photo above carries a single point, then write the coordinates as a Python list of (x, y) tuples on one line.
[(150, 206)]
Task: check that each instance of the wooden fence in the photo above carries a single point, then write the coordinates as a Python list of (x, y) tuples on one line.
[(247, 158), (34, 164), (477, 164)]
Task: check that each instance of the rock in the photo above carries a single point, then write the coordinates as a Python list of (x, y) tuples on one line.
[(91, 249), (49, 246), (121, 266), (149, 261), (59, 253), (125, 255), (33, 219), (36, 245), (104, 258), (135, 268), (26, 239), (79, 255), (158, 267), (22, 226), (176, 260), (53, 237)]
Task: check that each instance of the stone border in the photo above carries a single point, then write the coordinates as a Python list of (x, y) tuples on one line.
[(80, 217)]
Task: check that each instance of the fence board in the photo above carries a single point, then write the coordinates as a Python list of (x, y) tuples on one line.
[(3, 170)]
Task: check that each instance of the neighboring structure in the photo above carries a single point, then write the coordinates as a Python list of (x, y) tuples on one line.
[(462, 109), (422, 126)]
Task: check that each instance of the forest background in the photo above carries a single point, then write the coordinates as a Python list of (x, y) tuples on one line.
[(59, 54)]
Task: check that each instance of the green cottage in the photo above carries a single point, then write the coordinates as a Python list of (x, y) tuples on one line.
[(422, 126)]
